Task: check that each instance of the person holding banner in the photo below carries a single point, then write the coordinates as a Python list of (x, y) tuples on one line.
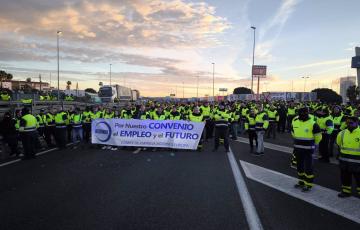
[(174, 114), (143, 114)]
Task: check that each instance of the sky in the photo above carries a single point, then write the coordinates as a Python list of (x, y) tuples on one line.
[(163, 47)]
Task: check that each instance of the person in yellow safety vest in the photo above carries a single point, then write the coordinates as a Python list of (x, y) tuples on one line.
[(127, 113), (159, 115), (28, 134), (222, 120), (262, 123), (174, 114), (4, 96), (250, 124), (196, 116), (50, 128), (108, 114), (88, 116), (244, 110), (325, 122), (60, 129), (273, 121), (291, 113), (98, 113), (209, 125), (143, 114), (338, 118), (41, 119), (307, 135), (348, 141), (77, 130), (68, 123), (234, 122)]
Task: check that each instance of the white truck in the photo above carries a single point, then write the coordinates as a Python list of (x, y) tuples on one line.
[(113, 93)]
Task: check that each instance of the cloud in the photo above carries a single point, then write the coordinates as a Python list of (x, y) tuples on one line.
[(153, 23), (269, 32), (317, 64)]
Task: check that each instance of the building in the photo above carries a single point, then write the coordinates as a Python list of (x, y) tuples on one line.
[(21, 85), (345, 83)]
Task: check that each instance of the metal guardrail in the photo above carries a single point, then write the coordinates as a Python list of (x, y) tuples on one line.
[(35, 106)]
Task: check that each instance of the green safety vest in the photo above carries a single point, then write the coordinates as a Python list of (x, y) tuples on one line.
[(145, 116), (31, 123), (50, 119), (76, 120), (196, 118), (206, 110), (321, 121), (59, 121), (222, 118), (17, 124), (108, 116), (41, 120), (273, 115), (88, 116), (337, 121), (291, 111), (26, 101), (5, 97), (250, 123), (302, 132), (349, 143), (159, 117), (98, 114), (261, 122)]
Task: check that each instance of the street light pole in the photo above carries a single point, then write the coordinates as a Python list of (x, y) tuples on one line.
[(305, 82), (197, 87), (253, 61), (213, 79), (110, 74), (183, 90), (58, 65)]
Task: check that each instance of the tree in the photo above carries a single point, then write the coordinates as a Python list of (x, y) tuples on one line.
[(90, 90), (28, 80), (68, 84), (5, 76), (352, 93), (327, 95), (242, 90)]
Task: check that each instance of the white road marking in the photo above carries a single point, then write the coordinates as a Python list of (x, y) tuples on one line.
[(10, 162), (137, 151), (37, 154), (280, 148), (249, 208), (319, 196)]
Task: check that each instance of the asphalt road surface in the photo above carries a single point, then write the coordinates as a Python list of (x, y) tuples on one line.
[(103, 189)]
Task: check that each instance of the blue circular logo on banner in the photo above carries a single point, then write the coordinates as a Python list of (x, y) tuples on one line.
[(103, 131)]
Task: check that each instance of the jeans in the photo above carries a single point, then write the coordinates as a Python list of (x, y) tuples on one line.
[(260, 140), (77, 134)]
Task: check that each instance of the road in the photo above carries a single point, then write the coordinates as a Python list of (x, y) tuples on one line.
[(103, 189)]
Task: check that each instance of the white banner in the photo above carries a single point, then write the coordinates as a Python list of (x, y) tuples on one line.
[(147, 133)]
